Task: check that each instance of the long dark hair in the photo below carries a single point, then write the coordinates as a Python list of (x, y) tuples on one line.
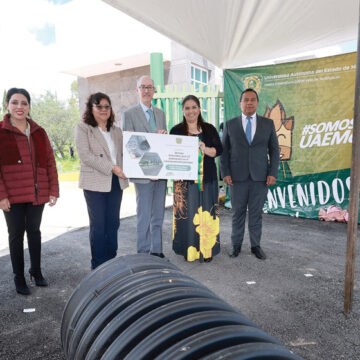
[(200, 120), (88, 116)]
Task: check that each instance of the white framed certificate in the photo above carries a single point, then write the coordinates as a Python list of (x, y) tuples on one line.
[(160, 156)]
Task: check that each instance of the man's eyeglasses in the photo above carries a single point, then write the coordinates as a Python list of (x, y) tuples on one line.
[(144, 88), (100, 107)]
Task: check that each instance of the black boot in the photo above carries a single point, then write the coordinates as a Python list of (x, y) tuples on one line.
[(20, 285), (38, 277)]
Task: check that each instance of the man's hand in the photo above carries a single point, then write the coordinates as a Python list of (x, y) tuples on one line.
[(5, 204), (270, 181), (161, 131), (228, 180)]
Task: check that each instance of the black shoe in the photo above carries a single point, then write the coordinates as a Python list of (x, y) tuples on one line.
[(38, 278), (160, 255), (235, 251), (258, 252), (20, 285), (207, 260)]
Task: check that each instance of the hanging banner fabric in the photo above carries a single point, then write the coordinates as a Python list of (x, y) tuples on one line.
[(311, 103)]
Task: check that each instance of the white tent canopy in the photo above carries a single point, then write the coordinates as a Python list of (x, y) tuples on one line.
[(235, 33)]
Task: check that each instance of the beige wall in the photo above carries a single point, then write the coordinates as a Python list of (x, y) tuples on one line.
[(119, 86)]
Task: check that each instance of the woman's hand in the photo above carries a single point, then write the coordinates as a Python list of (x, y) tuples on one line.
[(52, 200), (209, 151), (161, 131), (5, 204), (118, 172)]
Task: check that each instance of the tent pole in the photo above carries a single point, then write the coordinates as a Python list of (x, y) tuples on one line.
[(354, 192)]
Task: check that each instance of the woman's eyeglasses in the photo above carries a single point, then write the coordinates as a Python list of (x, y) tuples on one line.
[(101, 107)]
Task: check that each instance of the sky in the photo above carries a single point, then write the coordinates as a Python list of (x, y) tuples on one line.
[(41, 39)]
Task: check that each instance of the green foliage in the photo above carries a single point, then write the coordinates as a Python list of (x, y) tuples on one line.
[(58, 118), (68, 165), (3, 106)]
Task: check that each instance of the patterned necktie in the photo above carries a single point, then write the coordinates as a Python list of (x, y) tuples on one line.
[(152, 122), (248, 129)]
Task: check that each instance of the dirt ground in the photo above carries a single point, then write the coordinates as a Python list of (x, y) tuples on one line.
[(304, 312)]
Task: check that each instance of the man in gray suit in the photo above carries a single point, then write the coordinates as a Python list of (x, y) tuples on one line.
[(249, 164), (150, 194)]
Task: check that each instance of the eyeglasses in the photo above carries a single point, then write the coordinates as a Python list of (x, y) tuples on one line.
[(143, 88), (100, 107)]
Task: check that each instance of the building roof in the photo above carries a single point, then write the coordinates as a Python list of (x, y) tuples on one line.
[(111, 66)]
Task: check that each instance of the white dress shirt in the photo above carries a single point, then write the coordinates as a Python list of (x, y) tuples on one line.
[(110, 144)]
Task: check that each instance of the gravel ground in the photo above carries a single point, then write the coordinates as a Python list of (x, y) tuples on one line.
[(305, 313)]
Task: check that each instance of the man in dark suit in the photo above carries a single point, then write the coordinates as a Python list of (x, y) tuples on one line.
[(249, 164), (150, 194)]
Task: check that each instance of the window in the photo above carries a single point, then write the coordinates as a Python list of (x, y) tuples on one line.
[(199, 77)]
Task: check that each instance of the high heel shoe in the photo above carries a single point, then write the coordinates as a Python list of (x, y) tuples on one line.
[(20, 285), (38, 278)]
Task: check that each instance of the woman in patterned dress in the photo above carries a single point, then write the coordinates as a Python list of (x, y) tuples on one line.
[(196, 213)]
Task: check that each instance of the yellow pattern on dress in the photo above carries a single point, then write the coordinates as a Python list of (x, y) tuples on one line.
[(192, 254), (174, 226), (207, 228)]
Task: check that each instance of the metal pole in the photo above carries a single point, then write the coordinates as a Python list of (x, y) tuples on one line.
[(157, 74), (354, 192), (157, 69)]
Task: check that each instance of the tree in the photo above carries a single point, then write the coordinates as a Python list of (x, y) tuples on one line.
[(3, 106), (58, 118)]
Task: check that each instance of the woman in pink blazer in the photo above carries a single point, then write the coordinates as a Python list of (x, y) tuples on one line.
[(99, 146)]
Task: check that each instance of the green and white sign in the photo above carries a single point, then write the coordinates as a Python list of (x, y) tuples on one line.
[(160, 156), (311, 103)]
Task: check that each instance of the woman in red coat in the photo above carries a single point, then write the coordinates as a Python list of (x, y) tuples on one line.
[(28, 180)]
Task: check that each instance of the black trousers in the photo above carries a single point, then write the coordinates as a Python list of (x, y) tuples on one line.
[(24, 217)]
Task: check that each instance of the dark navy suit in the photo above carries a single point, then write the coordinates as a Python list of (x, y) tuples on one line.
[(249, 165)]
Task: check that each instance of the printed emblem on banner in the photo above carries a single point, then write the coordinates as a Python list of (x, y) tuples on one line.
[(252, 82)]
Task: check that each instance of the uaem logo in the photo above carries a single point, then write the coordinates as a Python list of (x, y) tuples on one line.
[(252, 82), (284, 129)]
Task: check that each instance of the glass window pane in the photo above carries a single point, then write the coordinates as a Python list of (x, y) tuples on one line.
[(197, 74), (192, 72), (196, 86), (204, 77)]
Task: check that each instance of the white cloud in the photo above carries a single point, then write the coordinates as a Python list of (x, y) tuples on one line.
[(87, 32)]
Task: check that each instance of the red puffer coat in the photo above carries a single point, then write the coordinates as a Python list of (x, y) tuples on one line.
[(26, 176)]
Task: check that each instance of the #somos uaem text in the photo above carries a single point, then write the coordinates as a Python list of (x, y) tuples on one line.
[(327, 134)]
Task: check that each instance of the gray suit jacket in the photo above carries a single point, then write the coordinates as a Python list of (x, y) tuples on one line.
[(258, 160), (134, 119), (95, 160)]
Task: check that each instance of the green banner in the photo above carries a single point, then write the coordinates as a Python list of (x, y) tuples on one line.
[(311, 103)]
